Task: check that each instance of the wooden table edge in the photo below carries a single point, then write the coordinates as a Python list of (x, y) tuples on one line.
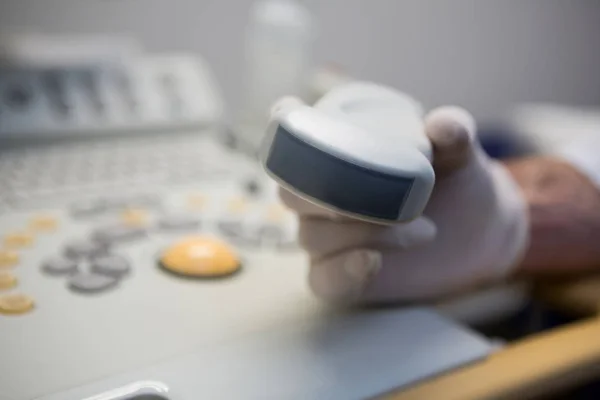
[(539, 364)]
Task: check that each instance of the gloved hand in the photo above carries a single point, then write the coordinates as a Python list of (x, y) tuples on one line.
[(474, 230)]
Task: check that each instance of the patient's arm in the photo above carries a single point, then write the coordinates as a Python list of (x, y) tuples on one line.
[(564, 208)]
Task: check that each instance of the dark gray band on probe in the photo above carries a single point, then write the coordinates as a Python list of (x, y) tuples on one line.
[(344, 185)]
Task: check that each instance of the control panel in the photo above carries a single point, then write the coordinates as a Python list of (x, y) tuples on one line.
[(145, 93), (148, 256), (140, 260)]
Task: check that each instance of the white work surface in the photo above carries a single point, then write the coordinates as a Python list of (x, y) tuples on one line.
[(325, 357), (256, 335)]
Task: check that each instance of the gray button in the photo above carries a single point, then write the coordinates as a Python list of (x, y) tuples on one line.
[(148, 200), (274, 235), (231, 229), (230, 140), (88, 208), (287, 243), (92, 283), (252, 187), (111, 265), (144, 200), (85, 249), (178, 222), (234, 231), (58, 266), (18, 96), (118, 233), (270, 233)]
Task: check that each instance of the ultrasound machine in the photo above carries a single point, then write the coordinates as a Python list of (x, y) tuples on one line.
[(144, 256)]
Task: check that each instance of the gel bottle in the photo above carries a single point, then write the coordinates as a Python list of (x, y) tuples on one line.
[(278, 46)]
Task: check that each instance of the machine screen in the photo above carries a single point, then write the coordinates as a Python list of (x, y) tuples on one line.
[(341, 184)]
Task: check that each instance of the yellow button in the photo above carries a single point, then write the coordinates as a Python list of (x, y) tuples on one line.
[(237, 205), (43, 223), (7, 280), (18, 240), (202, 257), (134, 217), (15, 304), (196, 201), (8, 258)]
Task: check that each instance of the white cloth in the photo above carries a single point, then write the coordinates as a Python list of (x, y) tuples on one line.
[(570, 133), (584, 154)]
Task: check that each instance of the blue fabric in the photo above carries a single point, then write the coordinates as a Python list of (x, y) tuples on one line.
[(500, 142)]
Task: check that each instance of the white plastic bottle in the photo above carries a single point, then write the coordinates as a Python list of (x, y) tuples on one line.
[(277, 61)]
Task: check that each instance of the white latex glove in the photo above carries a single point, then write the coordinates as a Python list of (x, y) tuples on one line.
[(473, 232)]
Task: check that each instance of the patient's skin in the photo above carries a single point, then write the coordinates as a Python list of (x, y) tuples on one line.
[(564, 208)]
